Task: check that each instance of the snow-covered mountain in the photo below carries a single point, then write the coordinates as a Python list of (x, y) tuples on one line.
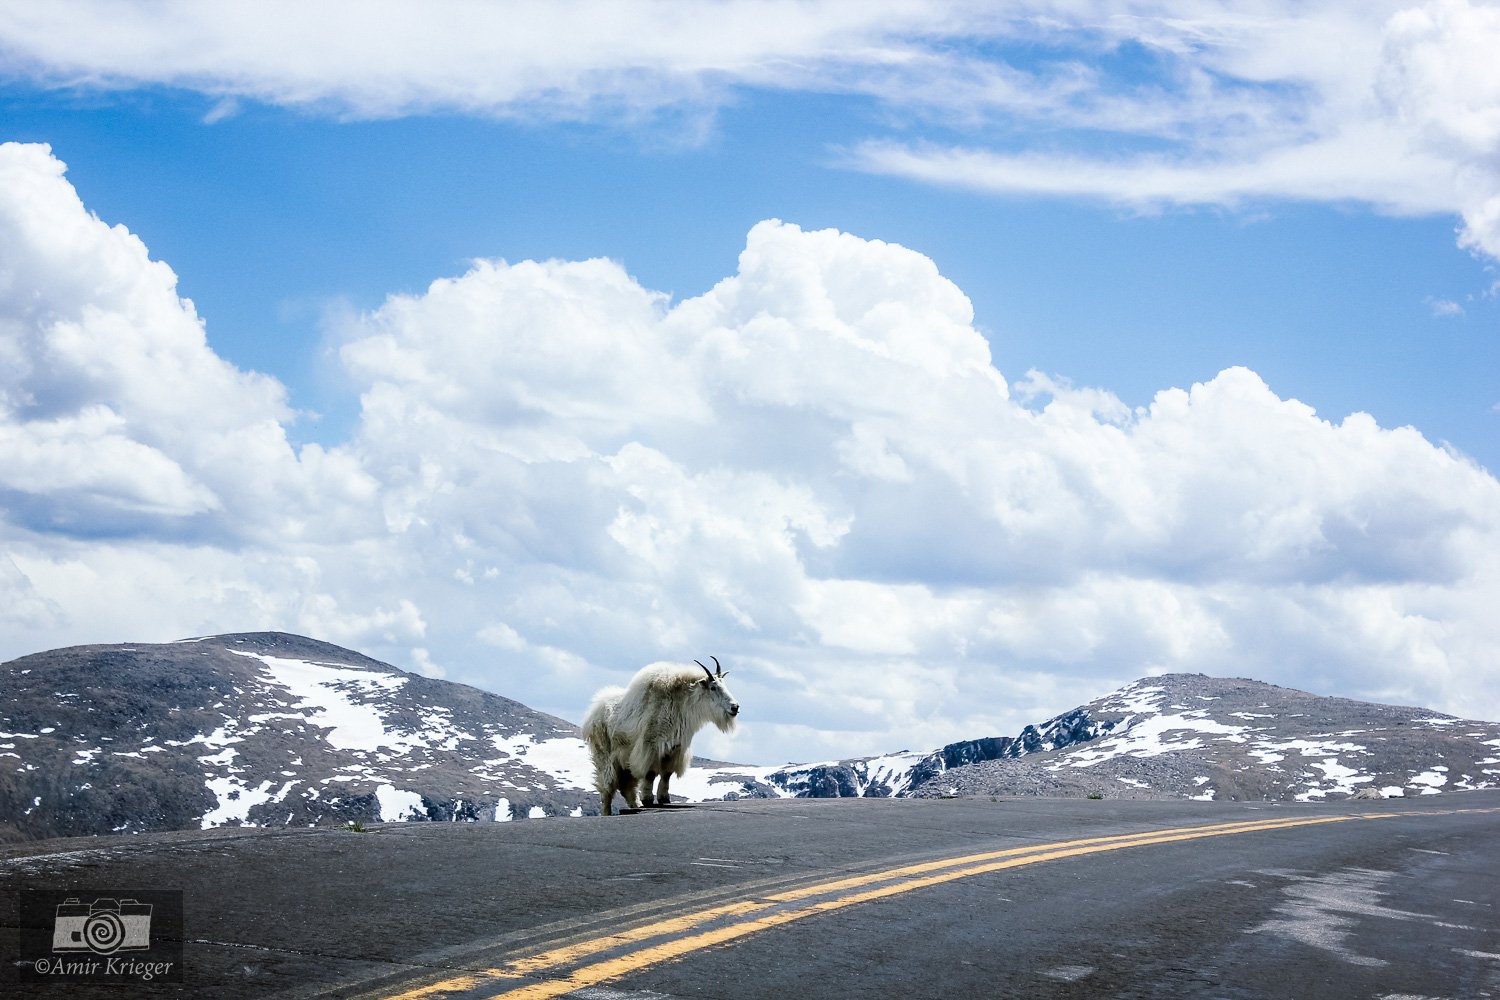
[(265, 729), (1205, 737), (269, 729), (1174, 736)]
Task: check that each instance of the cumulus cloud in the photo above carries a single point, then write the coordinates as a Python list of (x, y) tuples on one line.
[(1148, 103), (115, 414), (812, 470)]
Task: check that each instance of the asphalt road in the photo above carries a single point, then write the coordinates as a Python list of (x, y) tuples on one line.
[(825, 898)]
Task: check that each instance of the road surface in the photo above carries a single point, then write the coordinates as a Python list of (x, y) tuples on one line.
[(826, 898)]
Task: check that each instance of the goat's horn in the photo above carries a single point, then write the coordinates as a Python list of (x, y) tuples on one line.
[(707, 671), (718, 668)]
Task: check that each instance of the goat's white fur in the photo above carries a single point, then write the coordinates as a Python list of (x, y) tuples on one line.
[(645, 730)]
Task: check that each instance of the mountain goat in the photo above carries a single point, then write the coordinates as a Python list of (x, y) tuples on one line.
[(642, 731)]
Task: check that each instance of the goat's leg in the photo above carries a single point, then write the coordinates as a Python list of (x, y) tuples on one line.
[(663, 798), (606, 788), (627, 789)]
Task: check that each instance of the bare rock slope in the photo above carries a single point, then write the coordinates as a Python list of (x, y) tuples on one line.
[(1176, 736), (265, 729)]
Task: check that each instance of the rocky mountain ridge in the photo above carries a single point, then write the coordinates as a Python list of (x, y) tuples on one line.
[(269, 729), (265, 729), (1178, 736)]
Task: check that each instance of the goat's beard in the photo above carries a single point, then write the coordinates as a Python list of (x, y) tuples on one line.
[(725, 723)]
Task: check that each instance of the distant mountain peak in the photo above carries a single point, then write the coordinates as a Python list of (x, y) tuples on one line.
[(265, 728), (1174, 736), (1189, 735)]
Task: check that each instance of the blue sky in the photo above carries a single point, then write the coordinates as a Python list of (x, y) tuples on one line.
[(1130, 205), (273, 216)]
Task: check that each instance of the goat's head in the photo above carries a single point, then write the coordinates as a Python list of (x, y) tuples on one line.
[(725, 708)]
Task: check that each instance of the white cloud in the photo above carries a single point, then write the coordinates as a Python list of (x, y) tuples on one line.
[(1369, 163), (812, 471), (421, 662), (91, 469), (1396, 108), (571, 59), (1391, 104), (1444, 308), (117, 416)]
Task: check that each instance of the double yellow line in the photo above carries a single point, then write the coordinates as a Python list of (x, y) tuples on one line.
[(541, 974)]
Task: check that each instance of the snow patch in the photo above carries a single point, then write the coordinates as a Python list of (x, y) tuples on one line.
[(330, 693), (565, 759), (396, 804), (1135, 699), (1338, 780), (1151, 737), (235, 800), (710, 784)]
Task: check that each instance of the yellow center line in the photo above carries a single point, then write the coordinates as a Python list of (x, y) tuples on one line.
[(901, 880), (567, 954), (666, 951)]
